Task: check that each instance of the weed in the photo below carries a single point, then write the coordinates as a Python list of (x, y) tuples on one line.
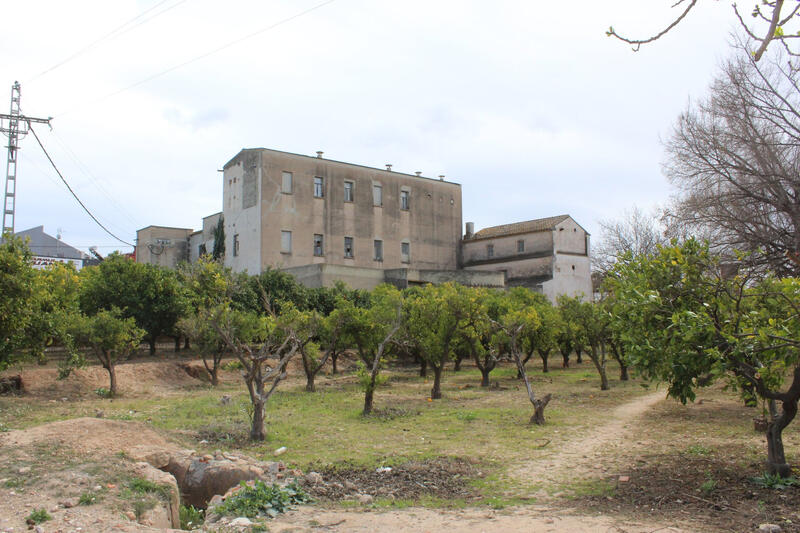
[(141, 506), (88, 498), (257, 498), (39, 515), (232, 365), (103, 392), (467, 416), (13, 483), (143, 486), (191, 518), (774, 481), (698, 449), (709, 485)]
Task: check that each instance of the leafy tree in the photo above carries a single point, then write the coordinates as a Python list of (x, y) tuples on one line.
[(259, 342), (218, 251), (112, 338), (371, 330), (542, 340), (149, 294), (686, 323), (17, 287), (488, 345), (279, 287), (594, 323)]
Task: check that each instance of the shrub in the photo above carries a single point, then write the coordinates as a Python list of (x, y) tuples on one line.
[(38, 516), (259, 499)]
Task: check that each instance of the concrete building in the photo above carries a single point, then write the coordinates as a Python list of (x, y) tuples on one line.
[(47, 249), (323, 220), (164, 246), (549, 255)]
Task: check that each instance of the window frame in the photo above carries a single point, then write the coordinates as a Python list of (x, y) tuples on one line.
[(285, 249), (520, 246), (319, 245), (351, 190), (377, 250), (489, 251), (319, 187), (377, 195), (284, 175), (235, 245), (352, 252), (405, 200), (405, 257)]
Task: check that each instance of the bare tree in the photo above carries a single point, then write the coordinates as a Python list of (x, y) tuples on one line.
[(774, 20), (635, 232), (735, 160)]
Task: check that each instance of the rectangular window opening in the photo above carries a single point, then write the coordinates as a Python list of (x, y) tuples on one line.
[(490, 250), (377, 195), (236, 245), (404, 200), (319, 187), (348, 247), (378, 255), (318, 249), (348, 191), (286, 242), (405, 252), (286, 182), (520, 246)]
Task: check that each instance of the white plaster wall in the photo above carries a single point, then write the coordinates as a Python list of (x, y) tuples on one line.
[(244, 222), (571, 276)]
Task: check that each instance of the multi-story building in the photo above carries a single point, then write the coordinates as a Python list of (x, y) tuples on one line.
[(549, 255), (324, 220)]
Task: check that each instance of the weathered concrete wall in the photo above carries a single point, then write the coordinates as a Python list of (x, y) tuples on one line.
[(403, 277), (322, 275), (242, 214), (475, 251), (164, 246), (431, 226), (569, 237)]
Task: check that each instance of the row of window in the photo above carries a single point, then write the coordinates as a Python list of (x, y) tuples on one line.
[(349, 191), (349, 248), (490, 248)]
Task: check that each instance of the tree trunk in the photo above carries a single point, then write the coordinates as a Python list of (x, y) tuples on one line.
[(565, 359), (423, 368), (152, 342), (257, 431), (538, 410), (776, 458), (623, 372), (186, 343), (177, 344), (524, 362), (485, 376), (310, 387), (215, 376), (578, 357), (112, 376), (368, 398), (601, 369), (545, 355), (457, 365), (436, 391), (334, 359)]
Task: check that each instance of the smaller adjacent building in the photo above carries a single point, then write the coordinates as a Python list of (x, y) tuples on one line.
[(163, 246), (47, 249), (549, 255)]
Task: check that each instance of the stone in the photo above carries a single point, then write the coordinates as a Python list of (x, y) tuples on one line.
[(225, 399), (99, 413), (154, 455), (241, 522), (314, 478), (349, 485), (624, 479), (68, 504), (280, 451), (364, 499), (129, 515), (164, 517), (204, 479), (24, 470), (38, 529), (770, 528)]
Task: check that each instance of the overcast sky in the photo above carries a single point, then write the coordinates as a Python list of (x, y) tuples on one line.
[(527, 104)]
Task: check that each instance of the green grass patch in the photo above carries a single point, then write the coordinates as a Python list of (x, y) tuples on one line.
[(38, 516)]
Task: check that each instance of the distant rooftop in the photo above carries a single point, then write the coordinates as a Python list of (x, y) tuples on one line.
[(42, 244), (529, 226)]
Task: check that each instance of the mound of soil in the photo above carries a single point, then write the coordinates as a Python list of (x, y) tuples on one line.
[(442, 477), (708, 488)]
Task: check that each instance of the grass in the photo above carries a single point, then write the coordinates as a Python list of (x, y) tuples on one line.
[(38, 516)]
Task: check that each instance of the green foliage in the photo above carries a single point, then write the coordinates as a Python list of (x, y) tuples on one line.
[(88, 498), (38, 516), (232, 365), (218, 252), (709, 485), (103, 392), (256, 499), (17, 306), (774, 481), (191, 518), (144, 486), (149, 294)]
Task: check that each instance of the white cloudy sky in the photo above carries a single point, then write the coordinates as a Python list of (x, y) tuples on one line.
[(527, 104)]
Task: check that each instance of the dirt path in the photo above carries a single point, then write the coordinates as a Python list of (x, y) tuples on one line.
[(584, 456)]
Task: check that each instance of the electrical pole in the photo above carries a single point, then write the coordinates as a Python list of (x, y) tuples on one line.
[(16, 126)]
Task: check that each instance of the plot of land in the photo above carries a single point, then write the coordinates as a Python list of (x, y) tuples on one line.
[(625, 458)]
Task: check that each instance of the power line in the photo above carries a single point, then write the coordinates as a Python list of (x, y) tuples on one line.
[(201, 56), (119, 30), (70, 188)]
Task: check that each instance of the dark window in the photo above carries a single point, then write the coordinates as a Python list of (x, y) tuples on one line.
[(235, 245), (348, 191), (520, 246), (348, 247), (490, 250), (405, 252), (318, 250), (378, 256), (319, 190), (404, 200)]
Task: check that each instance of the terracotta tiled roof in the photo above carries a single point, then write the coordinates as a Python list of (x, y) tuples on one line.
[(529, 226)]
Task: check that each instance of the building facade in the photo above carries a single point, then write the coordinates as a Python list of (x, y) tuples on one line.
[(549, 255), (47, 249)]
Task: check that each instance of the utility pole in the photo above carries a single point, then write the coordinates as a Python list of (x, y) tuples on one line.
[(16, 126)]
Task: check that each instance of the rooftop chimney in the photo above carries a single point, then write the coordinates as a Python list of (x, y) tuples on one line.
[(389, 167), (319, 154), (418, 173), (470, 230), (441, 177)]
